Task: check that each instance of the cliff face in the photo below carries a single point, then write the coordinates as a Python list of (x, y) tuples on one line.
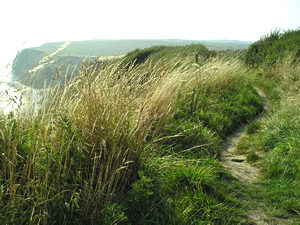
[(36, 68), (24, 61)]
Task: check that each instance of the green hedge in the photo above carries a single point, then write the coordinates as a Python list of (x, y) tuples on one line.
[(273, 48)]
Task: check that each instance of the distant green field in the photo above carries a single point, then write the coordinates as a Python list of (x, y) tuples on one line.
[(119, 47)]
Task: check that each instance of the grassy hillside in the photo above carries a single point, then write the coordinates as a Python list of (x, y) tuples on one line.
[(120, 47), (275, 141), (138, 141)]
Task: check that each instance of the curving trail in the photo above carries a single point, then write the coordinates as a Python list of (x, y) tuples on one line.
[(247, 173), (236, 164)]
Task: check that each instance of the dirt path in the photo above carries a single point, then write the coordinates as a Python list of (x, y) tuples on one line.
[(247, 173), (236, 164)]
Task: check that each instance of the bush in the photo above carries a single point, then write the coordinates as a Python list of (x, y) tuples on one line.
[(139, 56), (273, 48)]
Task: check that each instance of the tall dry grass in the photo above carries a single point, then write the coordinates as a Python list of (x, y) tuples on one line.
[(81, 148)]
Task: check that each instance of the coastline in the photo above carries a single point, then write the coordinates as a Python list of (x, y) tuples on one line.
[(14, 95)]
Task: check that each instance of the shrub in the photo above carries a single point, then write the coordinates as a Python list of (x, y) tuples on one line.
[(139, 56), (273, 48)]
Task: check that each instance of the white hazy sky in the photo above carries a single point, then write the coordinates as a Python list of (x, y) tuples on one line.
[(34, 22)]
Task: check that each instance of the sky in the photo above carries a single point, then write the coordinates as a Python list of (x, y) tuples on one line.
[(26, 23)]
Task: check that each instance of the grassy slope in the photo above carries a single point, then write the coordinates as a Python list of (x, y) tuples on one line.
[(277, 137)]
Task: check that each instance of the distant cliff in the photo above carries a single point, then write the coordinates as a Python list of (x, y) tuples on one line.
[(36, 68), (41, 65)]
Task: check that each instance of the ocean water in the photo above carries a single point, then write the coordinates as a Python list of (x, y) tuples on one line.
[(10, 97), (15, 96)]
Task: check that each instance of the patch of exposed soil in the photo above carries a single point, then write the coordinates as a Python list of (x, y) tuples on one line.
[(236, 164)]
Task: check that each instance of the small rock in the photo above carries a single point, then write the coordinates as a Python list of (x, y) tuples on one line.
[(238, 160)]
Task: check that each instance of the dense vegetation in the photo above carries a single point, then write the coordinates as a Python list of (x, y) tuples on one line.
[(138, 141), (273, 48)]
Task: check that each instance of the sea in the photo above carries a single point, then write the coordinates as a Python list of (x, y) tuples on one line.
[(15, 96)]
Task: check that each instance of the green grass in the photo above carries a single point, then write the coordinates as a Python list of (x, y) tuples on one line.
[(176, 191), (253, 127), (134, 145), (252, 157), (277, 136)]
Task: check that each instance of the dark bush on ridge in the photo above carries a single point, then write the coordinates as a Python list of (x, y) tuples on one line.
[(139, 56), (273, 48)]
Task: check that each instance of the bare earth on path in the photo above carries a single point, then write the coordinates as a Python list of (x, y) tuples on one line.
[(247, 173), (236, 164)]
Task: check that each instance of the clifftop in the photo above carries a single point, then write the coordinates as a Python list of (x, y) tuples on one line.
[(34, 67), (43, 63)]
